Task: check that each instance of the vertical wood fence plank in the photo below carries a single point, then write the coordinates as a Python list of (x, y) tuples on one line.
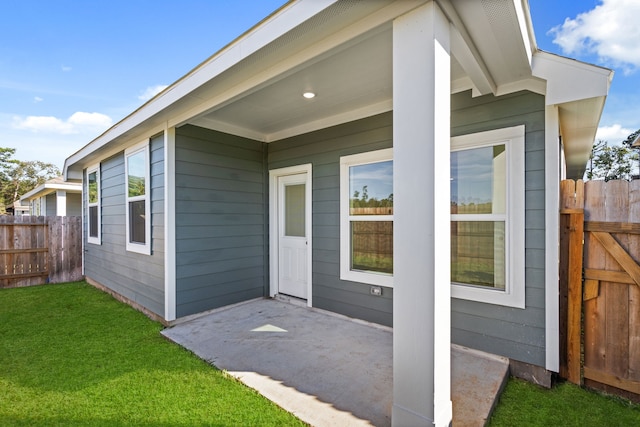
[(574, 298), (617, 305), (595, 257), (634, 291), (4, 244), (54, 249), (563, 292), (75, 248)]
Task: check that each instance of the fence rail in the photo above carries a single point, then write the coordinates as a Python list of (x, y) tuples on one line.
[(36, 250)]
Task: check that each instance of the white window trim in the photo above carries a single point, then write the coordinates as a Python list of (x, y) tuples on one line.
[(372, 278), (94, 240), (138, 247), (514, 293)]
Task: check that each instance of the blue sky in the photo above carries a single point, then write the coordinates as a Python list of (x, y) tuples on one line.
[(70, 69)]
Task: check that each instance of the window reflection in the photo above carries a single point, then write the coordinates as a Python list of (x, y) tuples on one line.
[(478, 184)]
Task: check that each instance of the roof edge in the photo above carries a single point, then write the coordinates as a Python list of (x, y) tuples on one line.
[(569, 79)]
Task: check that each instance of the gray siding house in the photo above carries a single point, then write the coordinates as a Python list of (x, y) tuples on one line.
[(54, 198), (393, 161)]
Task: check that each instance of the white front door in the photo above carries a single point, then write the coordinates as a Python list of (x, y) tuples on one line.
[(290, 231), (292, 245)]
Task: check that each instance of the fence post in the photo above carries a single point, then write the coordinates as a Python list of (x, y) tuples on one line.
[(575, 224)]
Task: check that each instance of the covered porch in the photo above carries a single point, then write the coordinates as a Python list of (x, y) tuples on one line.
[(327, 369)]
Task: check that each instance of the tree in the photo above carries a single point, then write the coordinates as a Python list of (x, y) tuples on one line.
[(17, 177), (627, 142), (611, 162)]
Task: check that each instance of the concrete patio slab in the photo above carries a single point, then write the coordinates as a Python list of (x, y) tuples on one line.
[(327, 369)]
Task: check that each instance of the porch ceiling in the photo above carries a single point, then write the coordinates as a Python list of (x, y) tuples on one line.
[(353, 79)]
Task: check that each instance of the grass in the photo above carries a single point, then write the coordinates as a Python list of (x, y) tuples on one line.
[(71, 355), (525, 404)]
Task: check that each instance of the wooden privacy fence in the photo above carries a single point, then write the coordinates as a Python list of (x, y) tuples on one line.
[(36, 250), (600, 285)]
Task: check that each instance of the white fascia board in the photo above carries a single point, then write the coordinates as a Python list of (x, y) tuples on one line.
[(526, 28), (265, 32), (570, 80)]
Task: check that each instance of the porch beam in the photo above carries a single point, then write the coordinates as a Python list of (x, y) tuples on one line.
[(421, 300), (468, 56)]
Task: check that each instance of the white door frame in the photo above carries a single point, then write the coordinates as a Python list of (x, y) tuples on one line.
[(274, 174)]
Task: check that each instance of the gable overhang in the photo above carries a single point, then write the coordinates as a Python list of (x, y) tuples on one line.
[(48, 188), (340, 50), (579, 90)]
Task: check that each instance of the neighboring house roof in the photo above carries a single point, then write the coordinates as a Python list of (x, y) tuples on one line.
[(18, 207), (342, 51), (51, 186)]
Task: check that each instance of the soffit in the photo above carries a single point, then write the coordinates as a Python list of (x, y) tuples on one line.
[(578, 126), (354, 79)]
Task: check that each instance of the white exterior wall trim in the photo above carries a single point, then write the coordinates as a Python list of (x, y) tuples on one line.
[(552, 173), (170, 224)]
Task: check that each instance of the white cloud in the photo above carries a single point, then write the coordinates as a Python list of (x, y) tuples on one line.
[(610, 30), (151, 91), (37, 99), (613, 134), (91, 120), (65, 68), (79, 122)]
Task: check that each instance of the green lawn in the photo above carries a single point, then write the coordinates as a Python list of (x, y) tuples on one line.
[(71, 355), (525, 404)]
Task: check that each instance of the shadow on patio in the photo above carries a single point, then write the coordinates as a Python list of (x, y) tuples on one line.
[(326, 369)]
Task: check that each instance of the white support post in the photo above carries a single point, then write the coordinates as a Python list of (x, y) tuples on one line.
[(170, 223), (61, 203), (552, 175), (421, 294)]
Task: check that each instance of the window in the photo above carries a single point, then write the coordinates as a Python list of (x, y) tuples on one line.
[(487, 217), (366, 217), (138, 211), (93, 204)]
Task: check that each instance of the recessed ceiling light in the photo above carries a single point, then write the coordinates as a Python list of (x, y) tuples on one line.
[(309, 95)]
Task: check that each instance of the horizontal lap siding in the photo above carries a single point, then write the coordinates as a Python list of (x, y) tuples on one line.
[(323, 150), (74, 204), (221, 242), (51, 204), (137, 277), (511, 332)]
